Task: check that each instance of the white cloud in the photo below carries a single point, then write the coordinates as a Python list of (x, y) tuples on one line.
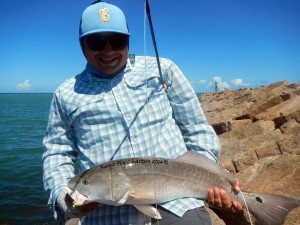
[(239, 82), (191, 82), (24, 86), (202, 81), (221, 85)]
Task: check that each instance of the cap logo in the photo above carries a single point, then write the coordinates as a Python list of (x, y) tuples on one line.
[(104, 15)]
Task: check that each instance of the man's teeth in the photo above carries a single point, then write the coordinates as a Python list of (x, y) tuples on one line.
[(108, 59)]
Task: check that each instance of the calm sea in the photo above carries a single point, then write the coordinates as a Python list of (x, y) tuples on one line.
[(23, 120)]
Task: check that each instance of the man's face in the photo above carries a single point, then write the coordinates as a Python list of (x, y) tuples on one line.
[(106, 52)]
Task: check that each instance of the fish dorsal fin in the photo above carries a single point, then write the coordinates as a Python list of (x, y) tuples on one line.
[(197, 159), (149, 210)]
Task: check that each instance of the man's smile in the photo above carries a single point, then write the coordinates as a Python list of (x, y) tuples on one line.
[(108, 60)]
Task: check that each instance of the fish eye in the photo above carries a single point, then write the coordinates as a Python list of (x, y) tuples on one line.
[(85, 182)]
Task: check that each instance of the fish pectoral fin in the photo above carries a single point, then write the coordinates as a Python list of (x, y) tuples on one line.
[(140, 195), (149, 210), (123, 199)]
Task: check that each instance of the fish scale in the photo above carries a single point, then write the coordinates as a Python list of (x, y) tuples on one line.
[(182, 178)]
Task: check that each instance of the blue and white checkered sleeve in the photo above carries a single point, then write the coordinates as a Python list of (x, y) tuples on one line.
[(189, 116), (58, 157)]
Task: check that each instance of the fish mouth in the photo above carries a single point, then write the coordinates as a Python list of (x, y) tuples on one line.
[(78, 198)]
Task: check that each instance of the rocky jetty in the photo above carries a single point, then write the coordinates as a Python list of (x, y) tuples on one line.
[(259, 130)]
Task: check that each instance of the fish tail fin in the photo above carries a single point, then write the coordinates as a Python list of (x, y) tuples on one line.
[(270, 209)]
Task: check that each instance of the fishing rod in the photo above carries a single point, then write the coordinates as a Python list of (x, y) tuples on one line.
[(153, 38)]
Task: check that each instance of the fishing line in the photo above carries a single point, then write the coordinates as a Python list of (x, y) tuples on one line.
[(246, 205), (152, 151)]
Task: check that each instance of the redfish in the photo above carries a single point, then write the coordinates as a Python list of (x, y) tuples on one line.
[(145, 181)]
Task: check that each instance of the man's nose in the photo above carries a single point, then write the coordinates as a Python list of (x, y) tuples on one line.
[(107, 47)]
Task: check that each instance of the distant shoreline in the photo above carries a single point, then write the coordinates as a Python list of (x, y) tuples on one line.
[(47, 93)]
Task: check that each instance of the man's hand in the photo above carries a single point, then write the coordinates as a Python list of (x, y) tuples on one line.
[(218, 197), (66, 209)]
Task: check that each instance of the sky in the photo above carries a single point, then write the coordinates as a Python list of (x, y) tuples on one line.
[(235, 43)]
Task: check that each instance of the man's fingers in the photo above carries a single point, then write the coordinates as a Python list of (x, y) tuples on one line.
[(226, 202), (236, 187), (237, 206), (214, 197), (210, 197), (218, 200)]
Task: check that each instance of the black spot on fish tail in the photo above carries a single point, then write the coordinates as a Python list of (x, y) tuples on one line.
[(270, 209), (259, 199)]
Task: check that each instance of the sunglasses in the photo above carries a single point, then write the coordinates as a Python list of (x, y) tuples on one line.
[(98, 43)]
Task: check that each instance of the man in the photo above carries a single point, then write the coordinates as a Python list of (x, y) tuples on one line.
[(119, 109)]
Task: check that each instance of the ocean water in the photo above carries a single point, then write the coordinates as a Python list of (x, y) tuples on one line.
[(23, 120)]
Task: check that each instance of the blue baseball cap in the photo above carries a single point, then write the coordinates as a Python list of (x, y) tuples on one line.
[(102, 17)]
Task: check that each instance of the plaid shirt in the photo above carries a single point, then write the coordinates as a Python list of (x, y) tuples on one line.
[(94, 120)]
